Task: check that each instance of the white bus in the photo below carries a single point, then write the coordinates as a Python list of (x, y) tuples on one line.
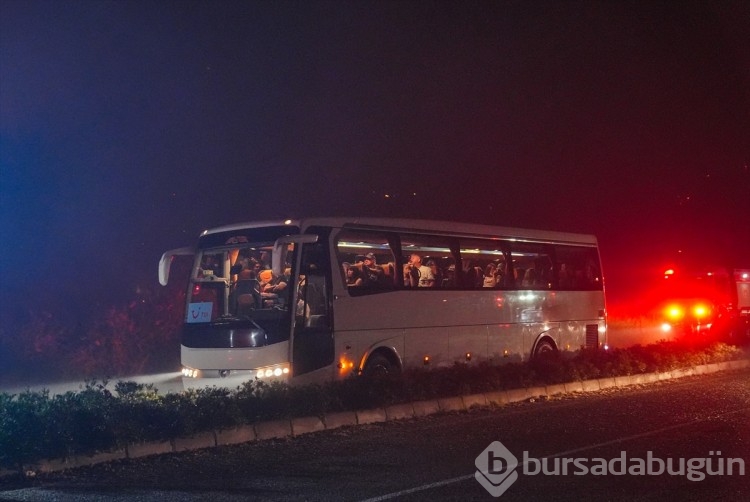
[(325, 298)]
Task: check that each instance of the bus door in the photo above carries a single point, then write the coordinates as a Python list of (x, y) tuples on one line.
[(312, 339)]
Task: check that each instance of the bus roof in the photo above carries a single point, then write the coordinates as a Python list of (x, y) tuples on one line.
[(418, 226)]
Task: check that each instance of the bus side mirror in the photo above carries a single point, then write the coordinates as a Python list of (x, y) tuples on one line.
[(166, 262), (282, 242)]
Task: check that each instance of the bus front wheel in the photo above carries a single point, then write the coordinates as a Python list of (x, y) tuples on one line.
[(378, 365)]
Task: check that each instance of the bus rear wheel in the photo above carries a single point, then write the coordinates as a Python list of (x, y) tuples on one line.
[(378, 366), (544, 348)]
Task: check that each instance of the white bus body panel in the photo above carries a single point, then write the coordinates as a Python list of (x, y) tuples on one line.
[(502, 326)]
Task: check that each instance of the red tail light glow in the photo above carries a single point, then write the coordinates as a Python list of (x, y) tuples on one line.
[(675, 312), (700, 311)]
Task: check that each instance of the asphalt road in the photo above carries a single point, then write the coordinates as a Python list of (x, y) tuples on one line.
[(434, 458)]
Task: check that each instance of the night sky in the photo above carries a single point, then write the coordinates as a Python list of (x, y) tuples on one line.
[(128, 127)]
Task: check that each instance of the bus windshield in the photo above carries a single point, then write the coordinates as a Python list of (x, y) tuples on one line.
[(233, 287)]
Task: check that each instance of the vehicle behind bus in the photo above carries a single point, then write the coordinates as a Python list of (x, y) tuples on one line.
[(712, 305)]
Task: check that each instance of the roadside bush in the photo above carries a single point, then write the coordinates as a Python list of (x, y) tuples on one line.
[(83, 421), (34, 425), (144, 415), (206, 409), (26, 430)]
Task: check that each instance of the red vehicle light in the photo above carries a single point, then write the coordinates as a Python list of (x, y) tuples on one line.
[(675, 312), (701, 311)]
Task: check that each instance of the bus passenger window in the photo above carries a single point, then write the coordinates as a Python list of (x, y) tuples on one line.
[(532, 265), (578, 268), (483, 263), (367, 261), (425, 259)]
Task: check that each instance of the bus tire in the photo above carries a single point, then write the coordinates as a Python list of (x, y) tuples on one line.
[(544, 347), (378, 365)]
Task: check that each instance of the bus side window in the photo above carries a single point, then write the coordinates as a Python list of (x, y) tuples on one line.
[(367, 261), (578, 268)]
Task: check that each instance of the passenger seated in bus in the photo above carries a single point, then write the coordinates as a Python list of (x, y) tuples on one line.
[(247, 292), (265, 260), (264, 277), (473, 275), (416, 274), (437, 273), (449, 279), (490, 276), (529, 278), (500, 277), (273, 289), (354, 277), (373, 274)]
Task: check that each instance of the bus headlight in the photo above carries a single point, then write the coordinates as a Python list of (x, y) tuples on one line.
[(276, 371), (190, 372)]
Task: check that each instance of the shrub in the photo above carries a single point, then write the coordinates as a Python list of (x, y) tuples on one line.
[(34, 426)]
